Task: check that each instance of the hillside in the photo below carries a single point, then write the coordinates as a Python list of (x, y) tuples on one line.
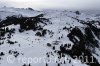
[(60, 34)]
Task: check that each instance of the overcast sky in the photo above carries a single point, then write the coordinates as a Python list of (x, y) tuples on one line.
[(46, 4)]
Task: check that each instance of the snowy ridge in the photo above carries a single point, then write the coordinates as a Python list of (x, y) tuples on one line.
[(9, 11)]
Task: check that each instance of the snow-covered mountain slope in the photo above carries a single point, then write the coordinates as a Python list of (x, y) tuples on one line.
[(49, 38), (9, 11)]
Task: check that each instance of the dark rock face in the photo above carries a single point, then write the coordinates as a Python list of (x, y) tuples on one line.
[(41, 33), (2, 54), (77, 12), (26, 23), (86, 44), (31, 9), (14, 53), (75, 32)]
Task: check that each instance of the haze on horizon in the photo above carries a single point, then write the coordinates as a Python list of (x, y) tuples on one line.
[(53, 4)]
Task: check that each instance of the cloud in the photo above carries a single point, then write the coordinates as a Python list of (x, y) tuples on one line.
[(68, 4)]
